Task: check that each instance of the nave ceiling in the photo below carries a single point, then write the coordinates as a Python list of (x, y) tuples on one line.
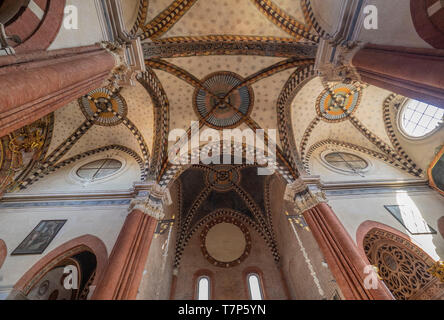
[(261, 50)]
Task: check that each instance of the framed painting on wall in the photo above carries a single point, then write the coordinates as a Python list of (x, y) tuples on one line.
[(39, 238)]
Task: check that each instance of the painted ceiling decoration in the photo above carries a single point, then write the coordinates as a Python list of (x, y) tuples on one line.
[(202, 67), (101, 107), (170, 172), (338, 102), (293, 85), (166, 19), (104, 100), (226, 101), (284, 21), (227, 45), (225, 229), (141, 17), (22, 149), (311, 20), (205, 193), (153, 86)]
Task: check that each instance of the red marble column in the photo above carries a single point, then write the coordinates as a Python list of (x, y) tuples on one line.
[(342, 255), (124, 272), (413, 72), (3, 252), (38, 83)]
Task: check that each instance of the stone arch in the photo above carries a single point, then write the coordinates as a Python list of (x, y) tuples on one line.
[(38, 34), (430, 27), (295, 83), (3, 252), (352, 147), (172, 171), (402, 265), (88, 243)]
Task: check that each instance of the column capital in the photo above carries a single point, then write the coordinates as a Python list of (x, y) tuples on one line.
[(341, 42), (129, 62), (302, 197), (152, 201), (334, 61)]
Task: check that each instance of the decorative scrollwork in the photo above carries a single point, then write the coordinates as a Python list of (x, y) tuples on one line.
[(403, 267)]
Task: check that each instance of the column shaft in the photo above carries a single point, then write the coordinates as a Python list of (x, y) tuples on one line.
[(342, 256), (124, 272), (413, 72), (38, 83)]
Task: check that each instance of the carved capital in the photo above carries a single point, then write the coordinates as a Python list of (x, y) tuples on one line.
[(129, 62), (333, 61), (302, 197), (152, 202)]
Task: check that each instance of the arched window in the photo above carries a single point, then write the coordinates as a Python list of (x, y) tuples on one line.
[(203, 288), (344, 162), (254, 287), (419, 120), (99, 169)]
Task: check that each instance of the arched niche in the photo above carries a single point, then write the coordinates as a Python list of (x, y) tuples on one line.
[(35, 33), (402, 265), (428, 19), (86, 254)]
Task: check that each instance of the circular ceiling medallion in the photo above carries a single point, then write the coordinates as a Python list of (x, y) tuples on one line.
[(226, 102), (346, 102), (225, 242), (222, 177), (112, 107)]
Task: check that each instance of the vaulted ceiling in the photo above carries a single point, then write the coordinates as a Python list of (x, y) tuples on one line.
[(250, 60)]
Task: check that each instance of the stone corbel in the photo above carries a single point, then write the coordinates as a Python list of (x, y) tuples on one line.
[(152, 202)]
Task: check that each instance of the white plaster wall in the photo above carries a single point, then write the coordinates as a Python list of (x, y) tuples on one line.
[(130, 9), (421, 151), (103, 222), (62, 181), (326, 13), (353, 210), (395, 26), (89, 31), (379, 170)]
